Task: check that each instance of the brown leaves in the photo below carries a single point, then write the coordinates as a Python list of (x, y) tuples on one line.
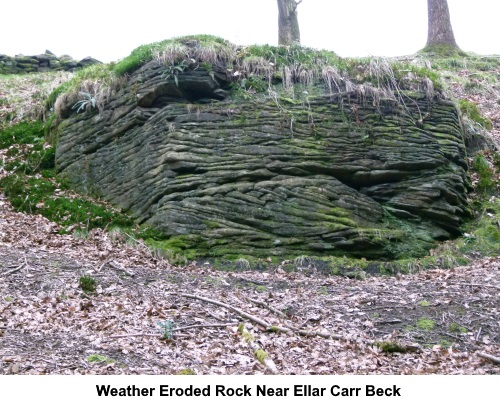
[(51, 326)]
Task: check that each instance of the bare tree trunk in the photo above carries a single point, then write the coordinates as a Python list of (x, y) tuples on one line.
[(440, 31), (288, 23)]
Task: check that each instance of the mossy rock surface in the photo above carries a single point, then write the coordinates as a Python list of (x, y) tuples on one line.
[(321, 173)]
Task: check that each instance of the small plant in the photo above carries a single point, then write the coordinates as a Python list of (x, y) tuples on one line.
[(87, 103), (242, 264), (175, 70), (302, 261), (487, 181), (445, 344), (469, 238), (424, 303), (167, 329), (87, 284)]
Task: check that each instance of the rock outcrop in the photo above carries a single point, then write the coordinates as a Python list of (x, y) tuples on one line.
[(44, 62), (328, 174)]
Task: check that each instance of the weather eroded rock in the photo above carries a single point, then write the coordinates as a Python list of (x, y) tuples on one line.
[(322, 174)]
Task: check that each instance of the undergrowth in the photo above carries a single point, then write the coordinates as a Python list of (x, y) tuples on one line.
[(31, 187)]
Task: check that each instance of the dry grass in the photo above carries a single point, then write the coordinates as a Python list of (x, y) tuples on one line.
[(22, 97)]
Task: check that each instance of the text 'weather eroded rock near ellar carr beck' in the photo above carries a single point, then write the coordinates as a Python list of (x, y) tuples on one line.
[(325, 174)]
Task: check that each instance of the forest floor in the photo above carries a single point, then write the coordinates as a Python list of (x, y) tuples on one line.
[(446, 320), (149, 317)]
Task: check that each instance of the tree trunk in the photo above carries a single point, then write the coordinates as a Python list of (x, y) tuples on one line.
[(288, 23), (440, 31)]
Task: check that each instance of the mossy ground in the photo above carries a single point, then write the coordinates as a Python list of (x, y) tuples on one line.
[(442, 51)]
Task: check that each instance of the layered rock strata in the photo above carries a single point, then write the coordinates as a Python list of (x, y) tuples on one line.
[(324, 175)]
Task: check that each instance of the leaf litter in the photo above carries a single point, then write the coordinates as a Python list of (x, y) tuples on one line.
[(49, 325)]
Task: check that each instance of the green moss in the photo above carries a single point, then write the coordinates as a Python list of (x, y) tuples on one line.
[(443, 51), (426, 324), (26, 132), (261, 355), (456, 328), (186, 371), (99, 358), (424, 303), (445, 344), (260, 289), (390, 347), (323, 290), (148, 232)]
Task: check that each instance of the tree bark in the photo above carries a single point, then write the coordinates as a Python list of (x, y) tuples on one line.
[(288, 23), (440, 31)]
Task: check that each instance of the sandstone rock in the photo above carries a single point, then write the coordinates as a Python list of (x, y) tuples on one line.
[(41, 63), (330, 175)]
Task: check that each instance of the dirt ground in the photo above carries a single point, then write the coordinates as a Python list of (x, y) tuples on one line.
[(147, 317)]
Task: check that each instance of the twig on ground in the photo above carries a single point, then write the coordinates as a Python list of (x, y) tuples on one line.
[(134, 335), (268, 326), (474, 285), (489, 357), (479, 333), (209, 325), (14, 270), (117, 267), (273, 310), (238, 311)]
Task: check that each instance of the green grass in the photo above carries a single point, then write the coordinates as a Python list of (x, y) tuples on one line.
[(30, 185), (456, 328), (205, 47), (471, 111)]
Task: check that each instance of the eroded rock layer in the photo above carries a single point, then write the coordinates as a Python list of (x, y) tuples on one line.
[(327, 175)]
